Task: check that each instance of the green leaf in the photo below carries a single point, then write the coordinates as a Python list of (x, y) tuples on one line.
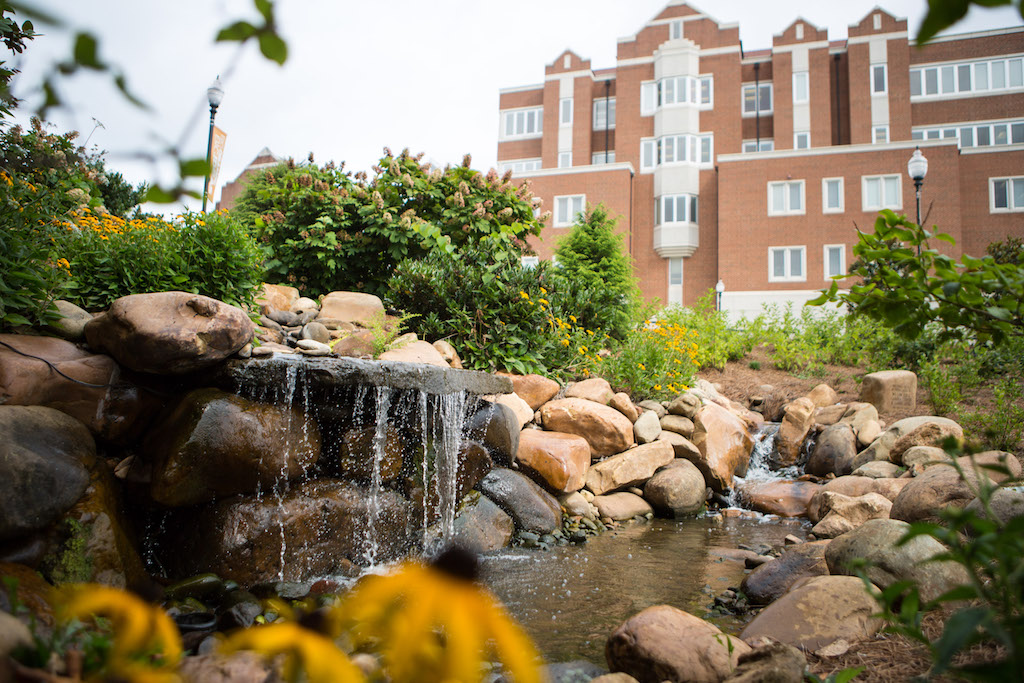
[(194, 167), (273, 47), (239, 31), (847, 675), (85, 51), (159, 195), (266, 8), (960, 630)]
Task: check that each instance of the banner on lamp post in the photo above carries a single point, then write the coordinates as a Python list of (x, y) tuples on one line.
[(216, 154)]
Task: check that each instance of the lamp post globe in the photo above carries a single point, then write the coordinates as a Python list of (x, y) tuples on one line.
[(719, 290), (917, 169), (214, 95)]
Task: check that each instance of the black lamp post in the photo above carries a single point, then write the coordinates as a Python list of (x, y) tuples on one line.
[(215, 94), (917, 167)]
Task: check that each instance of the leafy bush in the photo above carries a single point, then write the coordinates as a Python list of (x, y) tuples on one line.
[(657, 361), (717, 341), (1002, 427)]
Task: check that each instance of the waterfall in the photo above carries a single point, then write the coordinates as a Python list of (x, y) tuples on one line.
[(442, 437)]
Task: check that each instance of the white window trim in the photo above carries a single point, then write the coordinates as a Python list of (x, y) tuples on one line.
[(598, 158), (773, 211), (519, 165), (1010, 208), (659, 209), (885, 80), (563, 110), (599, 102), (675, 29), (974, 90), (757, 100), (796, 138), (566, 156), (572, 219), (807, 87), (649, 85), (654, 155), (529, 261), (521, 136), (874, 134), (864, 194), (764, 141), (824, 196), (842, 260), (789, 267)]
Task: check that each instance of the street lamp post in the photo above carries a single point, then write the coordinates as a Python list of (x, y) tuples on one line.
[(719, 290), (215, 94), (917, 168)]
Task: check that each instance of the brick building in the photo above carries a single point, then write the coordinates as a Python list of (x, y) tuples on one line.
[(230, 191), (757, 167)]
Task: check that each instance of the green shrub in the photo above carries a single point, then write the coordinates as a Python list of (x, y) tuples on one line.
[(656, 361), (717, 341)]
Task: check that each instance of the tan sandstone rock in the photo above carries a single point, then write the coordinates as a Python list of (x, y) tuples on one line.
[(630, 468), (724, 444), (606, 430), (559, 460)]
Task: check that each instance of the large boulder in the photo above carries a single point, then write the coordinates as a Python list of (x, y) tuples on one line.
[(113, 410), (169, 333), (881, 447), (624, 404), (784, 498), (797, 420), (834, 451), (45, 458), (532, 508), (622, 506), (770, 581), (594, 389), (852, 486), (933, 434), (942, 486), (482, 526), (360, 452), (416, 352), (315, 529), (1005, 503), (215, 444), (890, 391), (277, 297), (497, 426), (558, 461), (840, 514), (536, 390), (629, 468), (724, 444), (358, 308), (889, 561), (677, 489), (606, 430), (663, 643), (816, 613)]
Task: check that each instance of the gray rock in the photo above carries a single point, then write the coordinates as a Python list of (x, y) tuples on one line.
[(498, 428), (482, 527), (771, 580), (1005, 503), (676, 490), (646, 428), (579, 671), (834, 451), (530, 506), (316, 332), (678, 424), (771, 663), (878, 469)]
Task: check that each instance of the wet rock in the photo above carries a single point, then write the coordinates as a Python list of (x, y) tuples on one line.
[(646, 428), (416, 352), (629, 468), (170, 333), (200, 587), (218, 444), (44, 460), (624, 404), (771, 663), (534, 389), (841, 514), (361, 309), (724, 444), (499, 429), (834, 451), (890, 391), (676, 490), (797, 420), (359, 451), (32, 591), (606, 430), (782, 498), (622, 506), (678, 424), (877, 541), (942, 486), (816, 613), (531, 507), (770, 581), (664, 643), (558, 461), (595, 389), (685, 405), (482, 526)]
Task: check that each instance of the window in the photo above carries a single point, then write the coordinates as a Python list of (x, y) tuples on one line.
[(604, 113), (1006, 194), (835, 260), (879, 83), (519, 165), (564, 159), (522, 122), (801, 140), (648, 98), (800, 87), (603, 157), (965, 78), (529, 262), (755, 146), (881, 192), (786, 198), (786, 264), (757, 99), (648, 154), (880, 135), (978, 134), (684, 90), (693, 149), (675, 271), (675, 208), (565, 111), (675, 30), (832, 195), (568, 209)]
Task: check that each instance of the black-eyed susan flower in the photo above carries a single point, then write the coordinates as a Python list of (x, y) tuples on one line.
[(304, 652)]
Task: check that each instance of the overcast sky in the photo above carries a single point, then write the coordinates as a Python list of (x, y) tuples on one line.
[(360, 75)]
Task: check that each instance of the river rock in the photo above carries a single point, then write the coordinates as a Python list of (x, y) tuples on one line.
[(890, 391), (116, 410), (665, 643), (678, 424), (881, 447), (316, 529), (534, 389), (724, 444), (532, 508), (919, 458), (682, 446), (797, 420), (1005, 503), (356, 345), (929, 434), (878, 469), (31, 590), (499, 428), (358, 451), (823, 395), (840, 514), (606, 430), (594, 389), (942, 486), (877, 541), (677, 489), (556, 460), (317, 332), (71, 321), (482, 526), (829, 415), (770, 581), (834, 451), (852, 486), (624, 404), (311, 347), (859, 414), (646, 428), (44, 461), (654, 406), (783, 498), (816, 613), (686, 405), (575, 505), (520, 408), (629, 468), (170, 333), (448, 352), (416, 352), (622, 506), (218, 444), (365, 310), (771, 663), (279, 297), (868, 432)]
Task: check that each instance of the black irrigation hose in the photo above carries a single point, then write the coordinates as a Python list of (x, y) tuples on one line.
[(54, 368)]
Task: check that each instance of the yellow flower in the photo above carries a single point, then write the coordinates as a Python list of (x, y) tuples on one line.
[(657, 387), (524, 295), (641, 366), (572, 318), (565, 342), (304, 650), (543, 302), (543, 291)]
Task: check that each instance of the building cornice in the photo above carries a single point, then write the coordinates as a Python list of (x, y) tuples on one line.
[(593, 168), (993, 148), (520, 88), (836, 149), (975, 34)]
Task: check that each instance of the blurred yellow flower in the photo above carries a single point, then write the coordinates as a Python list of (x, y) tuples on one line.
[(303, 650)]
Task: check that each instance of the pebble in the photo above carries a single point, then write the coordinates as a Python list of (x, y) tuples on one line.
[(310, 347)]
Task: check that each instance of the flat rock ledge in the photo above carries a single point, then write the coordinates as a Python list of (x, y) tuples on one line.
[(327, 372)]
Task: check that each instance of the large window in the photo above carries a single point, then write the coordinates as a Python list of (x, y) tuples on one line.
[(565, 111), (757, 99), (977, 134), (832, 195), (675, 208), (693, 90), (519, 165), (568, 208), (786, 264), (1006, 194), (604, 113), (801, 93), (835, 260), (522, 122), (676, 149), (766, 145), (786, 198), (879, 81), (603, 157), (881, 192), (944, 80)]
